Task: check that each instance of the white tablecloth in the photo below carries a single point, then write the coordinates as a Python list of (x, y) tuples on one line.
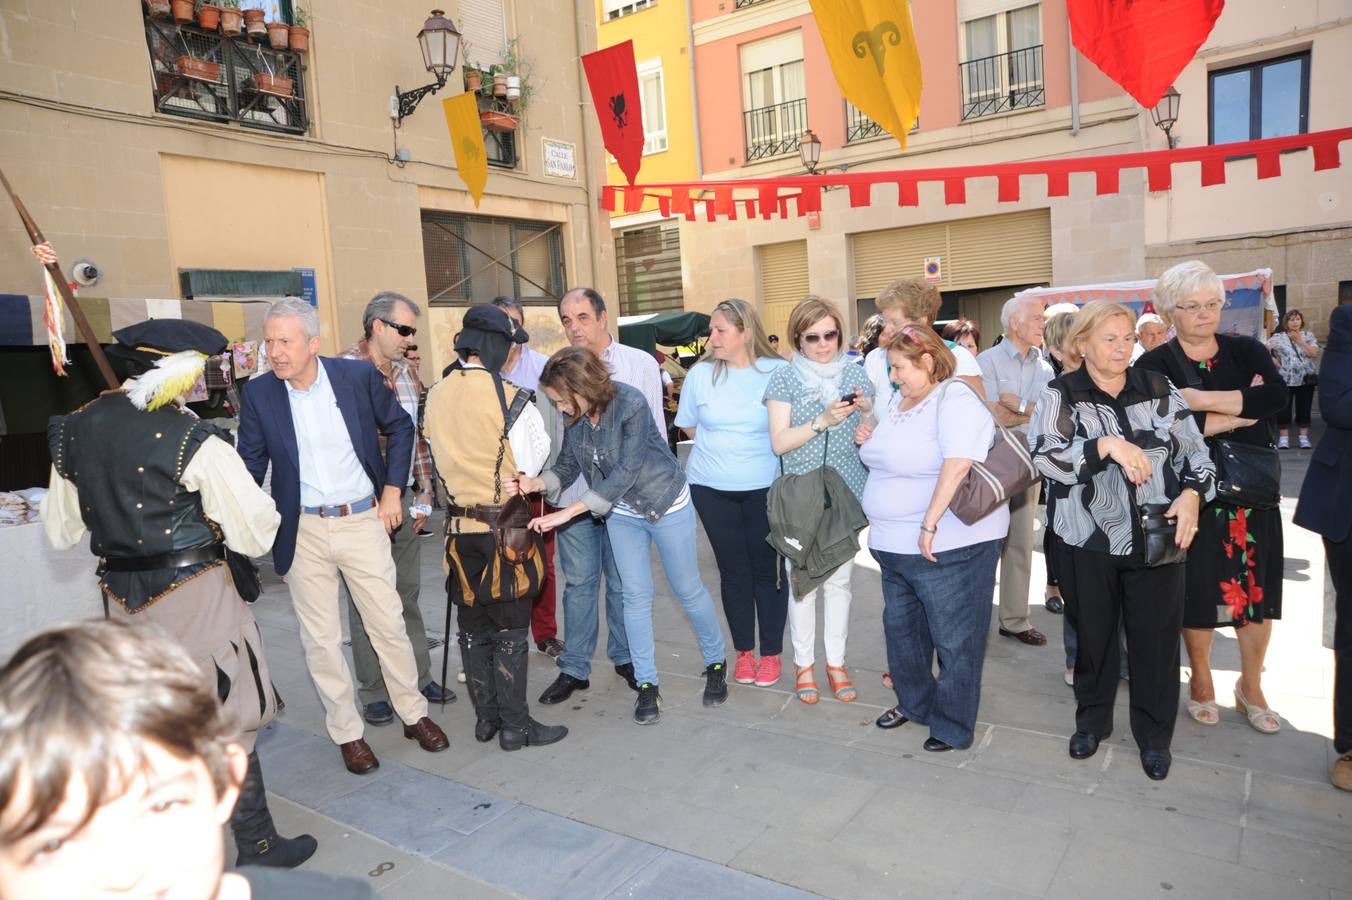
[(40, 586)]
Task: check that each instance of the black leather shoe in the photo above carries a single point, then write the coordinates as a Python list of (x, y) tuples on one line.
[(934, 745), (534, 735), (435, 693), (1156, 764), (1083, 745), (626, 671), (1055, 604), (484, 729), (563, 688), (891, 719), (378, 713)]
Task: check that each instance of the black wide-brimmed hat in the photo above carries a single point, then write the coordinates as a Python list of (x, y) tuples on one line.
[(152, 340)]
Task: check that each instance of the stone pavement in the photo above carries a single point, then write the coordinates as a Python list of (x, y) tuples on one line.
[(766, 797)]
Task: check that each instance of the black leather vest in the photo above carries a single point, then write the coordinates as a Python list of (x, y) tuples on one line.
[(127, 465)]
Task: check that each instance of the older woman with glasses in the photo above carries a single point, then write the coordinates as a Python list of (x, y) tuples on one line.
[(815, 403), (1235, 566)]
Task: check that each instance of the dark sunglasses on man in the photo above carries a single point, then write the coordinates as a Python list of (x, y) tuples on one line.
[(404, 330)]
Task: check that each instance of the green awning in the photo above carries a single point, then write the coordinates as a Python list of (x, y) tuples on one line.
[(239, 283), (668, 329)]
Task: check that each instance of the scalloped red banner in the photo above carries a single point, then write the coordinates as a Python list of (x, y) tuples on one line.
[(772, 196)]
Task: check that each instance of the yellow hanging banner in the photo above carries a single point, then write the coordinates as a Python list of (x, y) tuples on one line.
[(871, 45), (467, 140)]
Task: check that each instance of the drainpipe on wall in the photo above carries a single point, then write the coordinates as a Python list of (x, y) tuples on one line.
[(593, 199), (1074, 83), (694, 97)]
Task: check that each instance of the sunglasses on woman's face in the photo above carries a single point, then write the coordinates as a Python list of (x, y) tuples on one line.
[(404, 330), (828, 336)]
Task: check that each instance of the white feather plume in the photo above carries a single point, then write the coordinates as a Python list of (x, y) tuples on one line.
[(173, 376)]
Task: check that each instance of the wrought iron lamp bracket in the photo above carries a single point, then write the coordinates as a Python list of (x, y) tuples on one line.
[(409, 100)]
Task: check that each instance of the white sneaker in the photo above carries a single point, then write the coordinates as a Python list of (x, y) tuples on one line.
[(460, 677), (1304, 442), (1069, 678), (1283, 443)]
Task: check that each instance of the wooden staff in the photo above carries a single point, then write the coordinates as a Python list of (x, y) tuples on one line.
[(35, 235)]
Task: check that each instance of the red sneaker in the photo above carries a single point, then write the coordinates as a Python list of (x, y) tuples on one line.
[(767, 673), (744, 670)]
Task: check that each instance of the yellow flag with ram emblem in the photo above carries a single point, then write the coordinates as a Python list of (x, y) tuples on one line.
[(871, 45), (467, 140)]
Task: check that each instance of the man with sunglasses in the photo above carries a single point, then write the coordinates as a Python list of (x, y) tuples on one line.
[(390, 325)]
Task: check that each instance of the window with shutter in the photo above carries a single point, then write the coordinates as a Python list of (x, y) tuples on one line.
[(783, 279), (483, 26)]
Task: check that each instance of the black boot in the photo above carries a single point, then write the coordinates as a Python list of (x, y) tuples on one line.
[(510, 652), (256, 837), (476, 652)]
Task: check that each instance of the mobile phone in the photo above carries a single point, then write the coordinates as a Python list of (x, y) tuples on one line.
[(847, 398)]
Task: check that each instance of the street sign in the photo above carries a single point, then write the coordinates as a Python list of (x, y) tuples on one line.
[(308, 290), (934, 270)]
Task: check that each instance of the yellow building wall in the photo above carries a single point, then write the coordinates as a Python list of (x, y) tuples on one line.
[(662, 31)]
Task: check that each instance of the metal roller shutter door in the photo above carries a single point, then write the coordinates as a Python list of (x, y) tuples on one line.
[(783, 277), (984, 252)]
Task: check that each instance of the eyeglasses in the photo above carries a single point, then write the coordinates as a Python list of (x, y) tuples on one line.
[(1193, 309), (828, 336), (404, 330)]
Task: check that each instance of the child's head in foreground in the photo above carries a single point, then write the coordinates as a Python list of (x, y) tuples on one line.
[(117, 768)]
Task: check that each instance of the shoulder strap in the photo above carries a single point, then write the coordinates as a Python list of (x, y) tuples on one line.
[(1189, 367)]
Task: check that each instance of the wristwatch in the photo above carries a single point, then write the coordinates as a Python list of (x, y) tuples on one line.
[(813, 426)]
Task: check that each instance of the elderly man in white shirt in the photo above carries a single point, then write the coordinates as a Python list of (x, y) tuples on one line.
[(584, 548)]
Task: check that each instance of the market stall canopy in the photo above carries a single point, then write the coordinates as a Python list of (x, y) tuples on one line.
[(668, 329)]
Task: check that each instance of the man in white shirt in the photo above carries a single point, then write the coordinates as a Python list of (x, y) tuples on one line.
[(524, 364), (1150, 333), (913, 302), (584, 548), (1015, 372)]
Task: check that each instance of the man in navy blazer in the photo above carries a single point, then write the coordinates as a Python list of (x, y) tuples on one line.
[(315, 420), (1325, 507)]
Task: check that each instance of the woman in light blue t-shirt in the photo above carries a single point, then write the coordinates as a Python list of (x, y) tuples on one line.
[(730, 472)]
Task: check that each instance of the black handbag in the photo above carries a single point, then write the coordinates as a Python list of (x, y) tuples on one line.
[(1312, 380), (244, 574), (1246, 474), (1159, 532)]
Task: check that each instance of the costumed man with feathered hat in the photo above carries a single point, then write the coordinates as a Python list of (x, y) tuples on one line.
[(163, 494)]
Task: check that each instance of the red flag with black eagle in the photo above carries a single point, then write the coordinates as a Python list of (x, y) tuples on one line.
[(613, 79), (1142, 44)]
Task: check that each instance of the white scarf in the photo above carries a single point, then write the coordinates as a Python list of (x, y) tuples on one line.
[(824, 378)]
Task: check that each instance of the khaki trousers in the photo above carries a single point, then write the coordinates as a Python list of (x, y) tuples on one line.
[(358, 548), (1016, 561)]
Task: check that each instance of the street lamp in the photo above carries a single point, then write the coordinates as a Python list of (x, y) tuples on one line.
[(1165, 113), (810, 151), (440, 44)]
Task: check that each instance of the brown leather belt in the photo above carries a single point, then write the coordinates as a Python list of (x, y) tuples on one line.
[(478, 512)]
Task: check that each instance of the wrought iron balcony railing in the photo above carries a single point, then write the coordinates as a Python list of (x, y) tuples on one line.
[(204, 75), (859, 127), (774, 130), (1000, 83), (743, 4)]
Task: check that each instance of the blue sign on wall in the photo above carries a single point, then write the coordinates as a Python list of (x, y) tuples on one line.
[(308, 291)]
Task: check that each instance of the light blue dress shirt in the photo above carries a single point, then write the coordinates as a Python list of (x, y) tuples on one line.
[(330, 473)]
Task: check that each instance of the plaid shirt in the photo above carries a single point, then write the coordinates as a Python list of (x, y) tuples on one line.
[(401, 376)]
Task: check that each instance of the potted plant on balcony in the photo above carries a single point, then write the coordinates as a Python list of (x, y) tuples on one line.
[(473, 78), (231, 18), (497, 120), (208, 16), (500, 75), (253, 22), (197, 69), (279, 35), (182, 11), (519, 85), (300, 30), (270, 82), (158, 9)]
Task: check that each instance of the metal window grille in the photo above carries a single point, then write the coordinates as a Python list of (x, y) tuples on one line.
[(1003, 82), (471, 259), (648, 262), (203, 75), (774, 130)]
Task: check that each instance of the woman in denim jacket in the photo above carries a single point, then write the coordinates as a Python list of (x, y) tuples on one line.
[(639, 488)]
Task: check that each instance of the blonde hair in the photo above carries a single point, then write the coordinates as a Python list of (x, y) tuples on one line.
[(742, 316), (1058, 329), (915, 342), (918, 299), (1090, 317), (811, 310), (1182, 281)]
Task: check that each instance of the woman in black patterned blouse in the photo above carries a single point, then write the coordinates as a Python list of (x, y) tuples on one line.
[(1113, 437)]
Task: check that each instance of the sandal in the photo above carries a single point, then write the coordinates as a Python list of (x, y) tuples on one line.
[(841, 684), (1205, 712), (1264, 720), (887, 680), (805, 687)]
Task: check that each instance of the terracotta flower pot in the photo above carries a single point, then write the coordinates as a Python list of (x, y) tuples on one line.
[(232, 20), (199, 69), (278, 85), (300, 39), (182, 11), (253, 22), (473, 80), (494, 120), (209, 17), (159, 9), (500, 84), (279, 35)]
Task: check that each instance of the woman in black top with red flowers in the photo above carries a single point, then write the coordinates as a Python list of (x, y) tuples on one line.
[(1235, 565)]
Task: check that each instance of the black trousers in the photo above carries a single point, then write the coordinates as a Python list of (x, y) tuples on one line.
[(1101, 591), (737, 523), (1340, 567), (1302, 398)]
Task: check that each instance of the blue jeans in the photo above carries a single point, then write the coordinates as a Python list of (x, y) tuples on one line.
[(942, 607), (674, 534), (584, 551)]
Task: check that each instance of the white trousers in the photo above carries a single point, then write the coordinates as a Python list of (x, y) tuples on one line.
[(835, 616)]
